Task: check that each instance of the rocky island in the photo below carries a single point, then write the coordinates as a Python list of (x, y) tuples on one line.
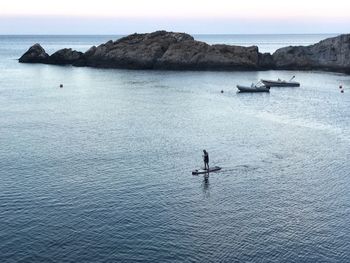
[(180, 51)]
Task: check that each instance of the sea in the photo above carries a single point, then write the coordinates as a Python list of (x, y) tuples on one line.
[(100, 170)]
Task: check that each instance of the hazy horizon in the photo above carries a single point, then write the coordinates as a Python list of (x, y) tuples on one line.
[(195, 17), (63, 25), (160, 29)]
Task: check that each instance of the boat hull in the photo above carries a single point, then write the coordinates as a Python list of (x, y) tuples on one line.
[(252, 89), (276, 83)]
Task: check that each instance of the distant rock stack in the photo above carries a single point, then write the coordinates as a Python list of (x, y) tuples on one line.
[(35, 54), (179, 51), (65, 56), (157, 50), (332, 54)]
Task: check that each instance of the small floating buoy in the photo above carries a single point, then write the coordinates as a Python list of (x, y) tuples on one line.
[(61, 85), (222, 91)]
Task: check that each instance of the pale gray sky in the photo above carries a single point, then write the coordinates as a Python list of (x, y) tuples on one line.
[(219, 16)]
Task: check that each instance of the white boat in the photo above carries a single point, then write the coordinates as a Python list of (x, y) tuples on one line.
[(258, 87), (281, 83)]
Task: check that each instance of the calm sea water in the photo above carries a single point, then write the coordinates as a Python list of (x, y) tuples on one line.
[(100, 171)]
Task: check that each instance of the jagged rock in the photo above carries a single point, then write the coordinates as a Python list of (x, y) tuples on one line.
[(137, 51), (179, 51), (198, 55), (330, 54), (168, 50), (266, 61), (35, 54), (65, 56)]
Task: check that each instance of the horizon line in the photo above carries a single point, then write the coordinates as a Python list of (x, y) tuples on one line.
[(196, 34)]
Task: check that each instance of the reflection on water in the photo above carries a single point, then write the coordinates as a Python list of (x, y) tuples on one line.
[(205, 185)]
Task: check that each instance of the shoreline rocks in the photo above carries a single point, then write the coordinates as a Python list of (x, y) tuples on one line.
[(35, 54), (332, 54), (179, 51), (65, 56)]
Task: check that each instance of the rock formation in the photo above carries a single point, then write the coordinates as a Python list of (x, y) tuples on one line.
[(167, 50), (199, 55), (65, 56), (331, 54), (35, 54), (179, 51)]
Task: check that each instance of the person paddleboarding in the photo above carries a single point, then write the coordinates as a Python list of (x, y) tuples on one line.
[(206, 170), (206, 160)]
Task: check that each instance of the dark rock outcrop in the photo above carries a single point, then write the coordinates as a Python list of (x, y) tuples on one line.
[(35, 54), (331, 54), (167, 50), (159, 50), (199, 55), (179, 51), (137, 51), (266, 61), (65, 56)]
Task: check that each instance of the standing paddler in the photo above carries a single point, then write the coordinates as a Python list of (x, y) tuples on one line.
[(206, 160)]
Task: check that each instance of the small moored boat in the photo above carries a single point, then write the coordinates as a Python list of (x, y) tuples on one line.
[(281, 83), (258, 87)]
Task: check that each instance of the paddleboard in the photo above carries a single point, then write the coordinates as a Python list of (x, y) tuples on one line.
[(202, 171)]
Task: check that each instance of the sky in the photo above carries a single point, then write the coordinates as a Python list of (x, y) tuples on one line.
[(192, 16)]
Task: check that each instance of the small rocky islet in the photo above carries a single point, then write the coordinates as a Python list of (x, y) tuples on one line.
[(164, 50)]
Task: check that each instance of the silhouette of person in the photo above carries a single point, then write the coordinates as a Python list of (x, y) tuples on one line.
[(206, 160)]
